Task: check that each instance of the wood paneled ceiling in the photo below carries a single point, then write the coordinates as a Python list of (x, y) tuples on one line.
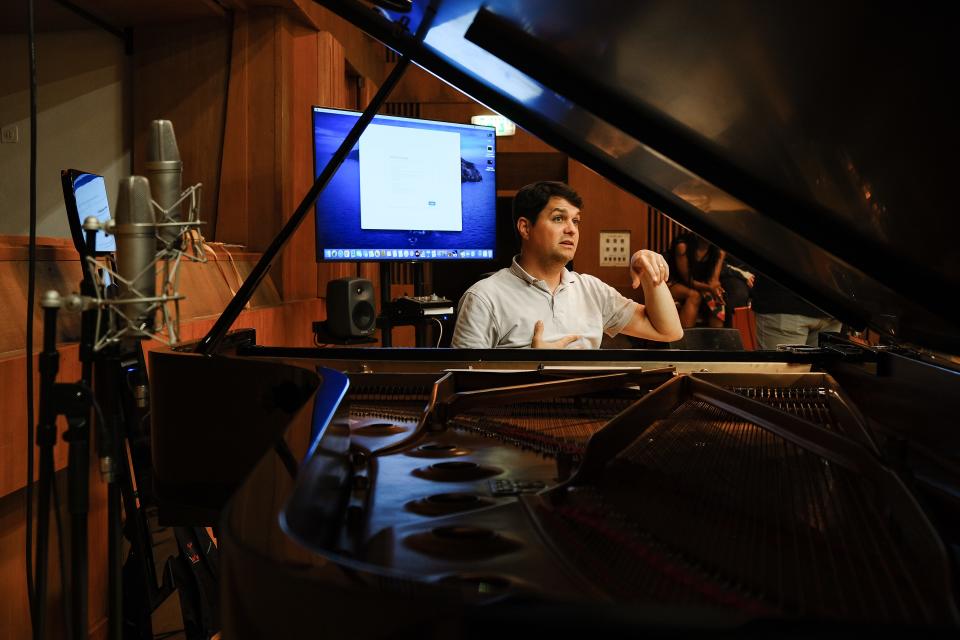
[(52, 15)]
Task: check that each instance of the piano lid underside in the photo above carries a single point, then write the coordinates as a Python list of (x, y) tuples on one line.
[(805, 145)]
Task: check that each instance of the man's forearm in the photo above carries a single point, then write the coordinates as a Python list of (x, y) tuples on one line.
[(661, 311)]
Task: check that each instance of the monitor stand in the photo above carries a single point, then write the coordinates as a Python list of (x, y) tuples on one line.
[(384, 321)]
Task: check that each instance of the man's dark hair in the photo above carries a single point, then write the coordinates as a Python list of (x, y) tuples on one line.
[(531, 199)]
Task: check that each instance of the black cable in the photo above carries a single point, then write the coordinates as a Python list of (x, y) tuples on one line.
[(93, 399), (31, 296)]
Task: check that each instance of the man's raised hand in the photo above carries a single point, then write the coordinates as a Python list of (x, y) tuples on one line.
[(651, 264)]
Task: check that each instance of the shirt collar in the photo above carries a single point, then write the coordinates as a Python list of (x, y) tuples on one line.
[(566, 277)]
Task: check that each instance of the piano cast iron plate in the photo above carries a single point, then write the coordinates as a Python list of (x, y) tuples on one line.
[(396, 484)]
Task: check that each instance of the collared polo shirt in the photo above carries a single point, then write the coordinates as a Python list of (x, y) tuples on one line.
[(501, 310)]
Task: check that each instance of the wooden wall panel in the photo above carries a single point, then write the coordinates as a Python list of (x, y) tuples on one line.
[(13, 408), (59, 275), (14, 619), (251, 195), (300, 269), (233, 196), (281, 67), (264, 129), (661, 230), (180, 74), (333, 91), (365, 54), (605, 208), (209, 286)]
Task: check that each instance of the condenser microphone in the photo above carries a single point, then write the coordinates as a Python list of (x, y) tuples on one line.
[(136, 250), (165, 172)]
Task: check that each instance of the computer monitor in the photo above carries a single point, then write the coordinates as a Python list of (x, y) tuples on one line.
[(85, 195), (411, 190)]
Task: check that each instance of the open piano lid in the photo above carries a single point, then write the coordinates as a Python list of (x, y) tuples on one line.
[(815, 141)]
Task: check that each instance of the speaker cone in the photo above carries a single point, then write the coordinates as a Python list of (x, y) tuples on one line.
[(364, 316)]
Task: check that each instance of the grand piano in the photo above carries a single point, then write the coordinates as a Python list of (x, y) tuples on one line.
[(462, 493)]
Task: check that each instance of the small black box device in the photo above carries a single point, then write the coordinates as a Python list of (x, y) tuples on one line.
[(413, 307)]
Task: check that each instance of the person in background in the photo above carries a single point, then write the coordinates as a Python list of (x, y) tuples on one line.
[(538, 303), (695, 267), (783, 317), (737, 281)]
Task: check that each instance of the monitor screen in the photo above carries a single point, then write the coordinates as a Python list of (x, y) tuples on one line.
[(85, 195), (410, 190)]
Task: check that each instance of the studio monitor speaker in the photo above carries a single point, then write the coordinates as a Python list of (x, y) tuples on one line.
[(350, 309)]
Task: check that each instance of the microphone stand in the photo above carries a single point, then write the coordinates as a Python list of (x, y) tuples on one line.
[(46, 438), (119, 372), (108, 443), (78, 436), (73, 402)]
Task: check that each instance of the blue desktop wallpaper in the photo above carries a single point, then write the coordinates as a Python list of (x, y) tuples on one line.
[(90, 196), (338, 207)]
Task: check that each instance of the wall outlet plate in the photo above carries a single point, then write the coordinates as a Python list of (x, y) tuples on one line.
[(614, 248), (10, 134)]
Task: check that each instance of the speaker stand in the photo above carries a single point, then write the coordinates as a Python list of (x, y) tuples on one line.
[(384, 321), (420, 328), (386, 327)]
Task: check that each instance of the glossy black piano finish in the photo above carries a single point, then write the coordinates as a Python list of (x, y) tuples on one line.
[(483, 493), (435, 495)]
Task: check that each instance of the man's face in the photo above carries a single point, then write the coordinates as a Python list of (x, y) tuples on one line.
[(555, 234)]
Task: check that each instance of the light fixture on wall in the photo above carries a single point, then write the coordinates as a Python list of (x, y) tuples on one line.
[(503, 126)]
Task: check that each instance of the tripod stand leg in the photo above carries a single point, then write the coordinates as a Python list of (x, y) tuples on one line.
[(79, 574), (46, 437), (78, 502), (129, 612), (139, 570), (115, 561), (45, 469)]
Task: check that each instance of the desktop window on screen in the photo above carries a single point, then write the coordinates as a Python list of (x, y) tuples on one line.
[(411, 189)]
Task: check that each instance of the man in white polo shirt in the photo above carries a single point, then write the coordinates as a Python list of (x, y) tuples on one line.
[(538, 303)]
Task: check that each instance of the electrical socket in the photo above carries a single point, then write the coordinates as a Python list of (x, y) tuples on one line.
[(614, 248), (10, 134)]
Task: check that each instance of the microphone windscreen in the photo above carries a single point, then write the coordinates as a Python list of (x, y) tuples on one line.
[(165, 171), (136, 247), (162, 144)]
